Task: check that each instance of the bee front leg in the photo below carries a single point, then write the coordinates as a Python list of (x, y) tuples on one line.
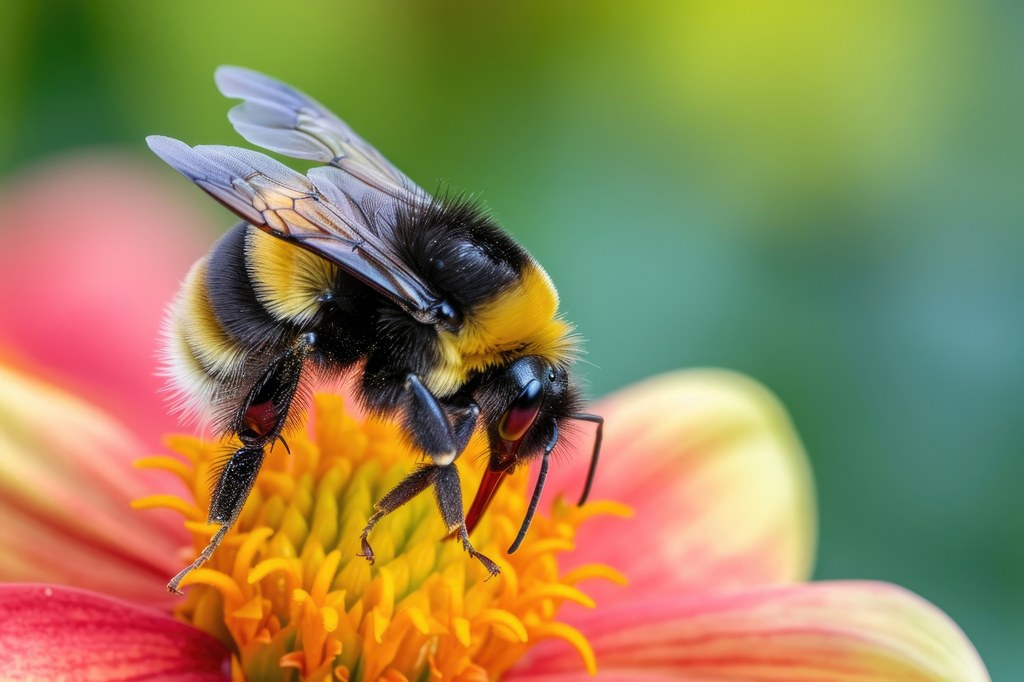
[(448, 492), (463, 420)]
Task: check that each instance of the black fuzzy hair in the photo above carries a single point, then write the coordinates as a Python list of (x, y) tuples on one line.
[(233, 298), (452, 243)]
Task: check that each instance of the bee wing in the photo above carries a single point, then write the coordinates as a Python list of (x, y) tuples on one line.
[(294, 207), (282, 119)]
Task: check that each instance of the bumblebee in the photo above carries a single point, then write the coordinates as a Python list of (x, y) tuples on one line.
[(446, 323)]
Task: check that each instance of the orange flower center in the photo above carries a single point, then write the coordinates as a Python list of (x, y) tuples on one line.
[(287, 592)]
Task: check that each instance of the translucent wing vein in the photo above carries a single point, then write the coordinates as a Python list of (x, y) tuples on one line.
[(294, 207), (280, 118)]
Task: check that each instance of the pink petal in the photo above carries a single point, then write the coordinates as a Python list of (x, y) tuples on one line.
[(849, 631), (719, 482), (66, 483), (58, 633), (95, 248)]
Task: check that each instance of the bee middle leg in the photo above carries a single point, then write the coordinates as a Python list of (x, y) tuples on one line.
[(442, 431), (409, 487), (448, 494)]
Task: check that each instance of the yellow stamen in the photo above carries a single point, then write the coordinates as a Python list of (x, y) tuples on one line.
[(557, 591), (288, 594), (186, 509), (268, 566), (588, 571), (175, 466), (220, 581), (572, 636), (500, 617)]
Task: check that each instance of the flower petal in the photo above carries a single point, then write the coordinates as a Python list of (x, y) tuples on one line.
[(53, 632), (848, 631), (66, 484), (98, 246), (718, 479)]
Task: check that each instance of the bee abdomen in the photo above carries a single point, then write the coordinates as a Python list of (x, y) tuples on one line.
[(233, 298), (200, 358), (239, 306), (290, 283)]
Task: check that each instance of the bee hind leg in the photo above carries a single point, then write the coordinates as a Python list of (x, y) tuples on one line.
[(233, 487), (258, 424)]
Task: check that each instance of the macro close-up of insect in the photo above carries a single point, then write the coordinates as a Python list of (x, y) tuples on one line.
[(537, 341), (438, 318)]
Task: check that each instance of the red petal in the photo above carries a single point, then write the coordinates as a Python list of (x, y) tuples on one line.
[(66, 485), (717, 477), (95, 249), (58, 633), (851, 631)]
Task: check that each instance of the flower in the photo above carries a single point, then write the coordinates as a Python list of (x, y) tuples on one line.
[(724, 514), (715, 554), (731, 617), (291, 590), (95, 248)]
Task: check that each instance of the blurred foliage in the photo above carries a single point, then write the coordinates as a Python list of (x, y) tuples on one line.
[(825, 196)]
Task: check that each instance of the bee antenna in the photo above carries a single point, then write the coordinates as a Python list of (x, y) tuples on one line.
[(535, 500), (599, 420)]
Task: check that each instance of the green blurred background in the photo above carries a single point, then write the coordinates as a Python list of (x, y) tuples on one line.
[(823, 195)]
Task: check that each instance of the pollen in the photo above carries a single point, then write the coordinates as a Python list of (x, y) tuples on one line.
[(288, 594)]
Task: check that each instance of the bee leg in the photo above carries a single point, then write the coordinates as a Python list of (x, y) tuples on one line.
[(409, 487), (444, 438), (463, 420), (442, 431), (448, 492), (427, 423), (233, 486), (258, 424)]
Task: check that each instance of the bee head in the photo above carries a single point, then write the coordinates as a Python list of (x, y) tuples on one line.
[(524, 406)]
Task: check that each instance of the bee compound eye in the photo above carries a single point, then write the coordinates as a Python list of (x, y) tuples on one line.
[(445, 314), (446, 311), (523, 411)]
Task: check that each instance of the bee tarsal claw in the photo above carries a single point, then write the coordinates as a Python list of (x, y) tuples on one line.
[(367, 552), (493, 570)]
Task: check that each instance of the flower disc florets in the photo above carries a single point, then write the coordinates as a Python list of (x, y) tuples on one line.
[(289, 595)]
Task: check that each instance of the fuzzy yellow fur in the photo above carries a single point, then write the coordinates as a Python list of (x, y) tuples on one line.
[(288, 281), (196, 323), (522, 321)]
